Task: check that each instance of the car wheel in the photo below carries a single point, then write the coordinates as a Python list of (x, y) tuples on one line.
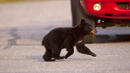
[(77, 15)]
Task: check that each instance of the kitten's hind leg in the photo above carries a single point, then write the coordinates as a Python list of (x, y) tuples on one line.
[(56, 54), (48, 56)]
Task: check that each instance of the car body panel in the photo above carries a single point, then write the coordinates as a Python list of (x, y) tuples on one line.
[(109, 9)]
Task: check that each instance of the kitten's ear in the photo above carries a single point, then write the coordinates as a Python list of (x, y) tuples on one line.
[(82, 21)]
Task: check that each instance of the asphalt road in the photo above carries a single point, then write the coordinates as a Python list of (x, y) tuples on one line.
[(23, 25)]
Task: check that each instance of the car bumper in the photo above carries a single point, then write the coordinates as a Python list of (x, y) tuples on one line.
[(110, 9)]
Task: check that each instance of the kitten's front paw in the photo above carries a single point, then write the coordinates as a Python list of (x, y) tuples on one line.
[(93, 54)]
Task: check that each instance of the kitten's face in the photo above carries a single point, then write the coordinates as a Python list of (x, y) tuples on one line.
[(87, 27)]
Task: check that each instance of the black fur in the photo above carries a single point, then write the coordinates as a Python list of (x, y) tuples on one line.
[(60, 38)]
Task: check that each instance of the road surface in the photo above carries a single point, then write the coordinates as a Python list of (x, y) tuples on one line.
[(23, 25)]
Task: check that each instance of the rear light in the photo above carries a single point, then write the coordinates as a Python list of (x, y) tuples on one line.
[(97, 6)]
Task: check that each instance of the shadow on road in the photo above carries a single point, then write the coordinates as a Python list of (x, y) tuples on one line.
[(112, 38)]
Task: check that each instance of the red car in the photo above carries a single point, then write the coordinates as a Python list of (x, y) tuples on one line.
[(101, 13)]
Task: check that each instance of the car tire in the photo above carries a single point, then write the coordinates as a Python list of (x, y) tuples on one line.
[(77, 15)]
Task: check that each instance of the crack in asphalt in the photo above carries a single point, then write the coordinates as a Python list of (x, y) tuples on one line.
[(13, 33)]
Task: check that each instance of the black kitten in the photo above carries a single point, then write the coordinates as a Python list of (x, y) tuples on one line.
[(60, 38)]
